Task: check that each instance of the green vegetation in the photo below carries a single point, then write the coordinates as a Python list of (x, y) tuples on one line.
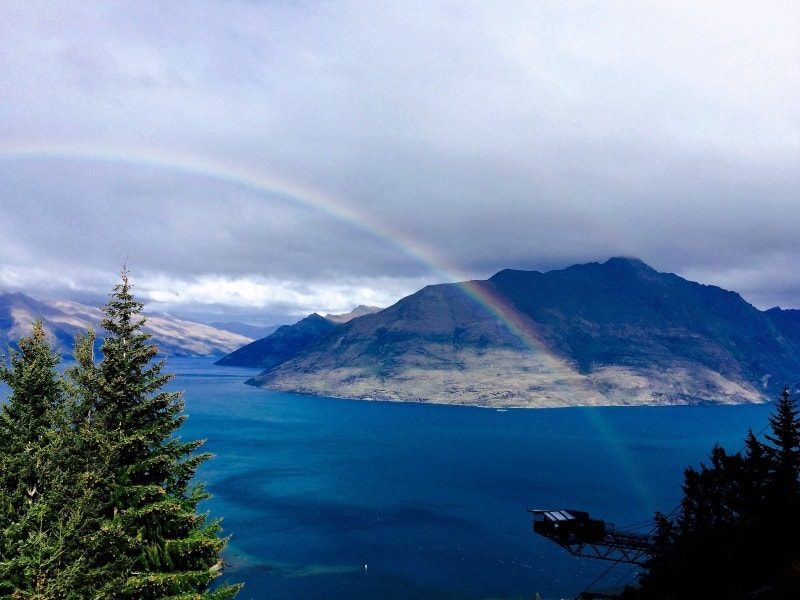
[(737, 528), (96, 492)]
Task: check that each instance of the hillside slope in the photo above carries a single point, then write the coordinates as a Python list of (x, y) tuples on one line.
[(64, 320), (280, 345), (615, 333), (288, 340)]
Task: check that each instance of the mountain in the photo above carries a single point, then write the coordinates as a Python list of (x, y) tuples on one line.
[(18, 312), (283, 343), (65, 319), (289, 340), (358, 311), (254, 332), (616, 333), (788, 323)]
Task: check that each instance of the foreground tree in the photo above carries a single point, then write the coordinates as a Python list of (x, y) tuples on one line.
[(784, 487), (150, 529), (121, 518), (31, 552), (36, 392), (738, 524)]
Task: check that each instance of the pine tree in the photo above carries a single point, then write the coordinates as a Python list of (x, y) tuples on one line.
[(30, 375), (96, 492), (150, 541), (35, 390), (732, 512), (38, 505), (754, 480), (785, 437)]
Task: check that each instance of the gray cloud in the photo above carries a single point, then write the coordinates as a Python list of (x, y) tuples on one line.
[(272, 159)]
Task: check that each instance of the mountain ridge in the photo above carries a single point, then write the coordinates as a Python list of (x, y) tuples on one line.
[(287, 340), (64, 319), (613, 333)]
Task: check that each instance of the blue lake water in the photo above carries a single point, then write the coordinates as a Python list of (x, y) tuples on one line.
[(338, 499)]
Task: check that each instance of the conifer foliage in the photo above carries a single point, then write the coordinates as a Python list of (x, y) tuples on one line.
[(29, 548), (739, 521), (120, 519)]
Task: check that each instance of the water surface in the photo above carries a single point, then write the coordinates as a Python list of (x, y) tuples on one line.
[(338, 499)]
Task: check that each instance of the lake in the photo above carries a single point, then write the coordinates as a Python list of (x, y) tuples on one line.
[(339, 499)]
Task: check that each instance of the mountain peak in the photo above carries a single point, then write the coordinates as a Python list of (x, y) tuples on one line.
[(627, 261), (358, 311), (617, 332)]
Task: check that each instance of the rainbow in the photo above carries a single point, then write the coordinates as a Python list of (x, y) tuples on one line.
[(263, 181)]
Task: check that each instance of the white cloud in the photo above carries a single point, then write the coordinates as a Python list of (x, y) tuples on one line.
[(258, 297), (410, 142)]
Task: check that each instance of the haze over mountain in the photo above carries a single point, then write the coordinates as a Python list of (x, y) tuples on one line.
[(615, 333), (254, 332), (65, 319)]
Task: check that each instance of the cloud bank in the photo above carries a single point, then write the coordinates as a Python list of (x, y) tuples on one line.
[(266, 160)]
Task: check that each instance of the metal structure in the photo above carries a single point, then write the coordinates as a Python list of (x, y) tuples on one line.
[(580, 535)]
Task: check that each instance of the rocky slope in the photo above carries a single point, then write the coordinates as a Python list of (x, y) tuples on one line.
[(64, 320), (617, 333), (289, 340)]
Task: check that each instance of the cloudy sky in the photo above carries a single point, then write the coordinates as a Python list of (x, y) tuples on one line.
[(262, 160)]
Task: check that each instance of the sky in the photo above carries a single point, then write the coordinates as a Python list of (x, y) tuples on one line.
[(259, 161)]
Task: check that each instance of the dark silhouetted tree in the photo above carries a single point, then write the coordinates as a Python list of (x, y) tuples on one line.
[(784, 487), (738, 525)]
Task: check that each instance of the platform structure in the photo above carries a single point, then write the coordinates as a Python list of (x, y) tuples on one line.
[(581, 535)]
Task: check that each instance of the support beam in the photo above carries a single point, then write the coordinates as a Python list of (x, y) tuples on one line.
[(580, 535)]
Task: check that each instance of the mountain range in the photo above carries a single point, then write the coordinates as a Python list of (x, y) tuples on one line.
[(612, 333), (63, 320), (288, 340)]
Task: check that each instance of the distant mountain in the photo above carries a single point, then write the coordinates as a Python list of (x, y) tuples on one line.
[(18, 312), (788, 323), (615, 333), (358, 311), (254, 332), (64, 320), (289, 340), (283, 343)]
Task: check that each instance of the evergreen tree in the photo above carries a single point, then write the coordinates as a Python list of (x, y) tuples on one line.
[(710, 494), (785, 437), (39, 508), (24, 420), (151, 541), (754, 479), (36, 390), (96, 492), (661, 561), (734, 512)]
